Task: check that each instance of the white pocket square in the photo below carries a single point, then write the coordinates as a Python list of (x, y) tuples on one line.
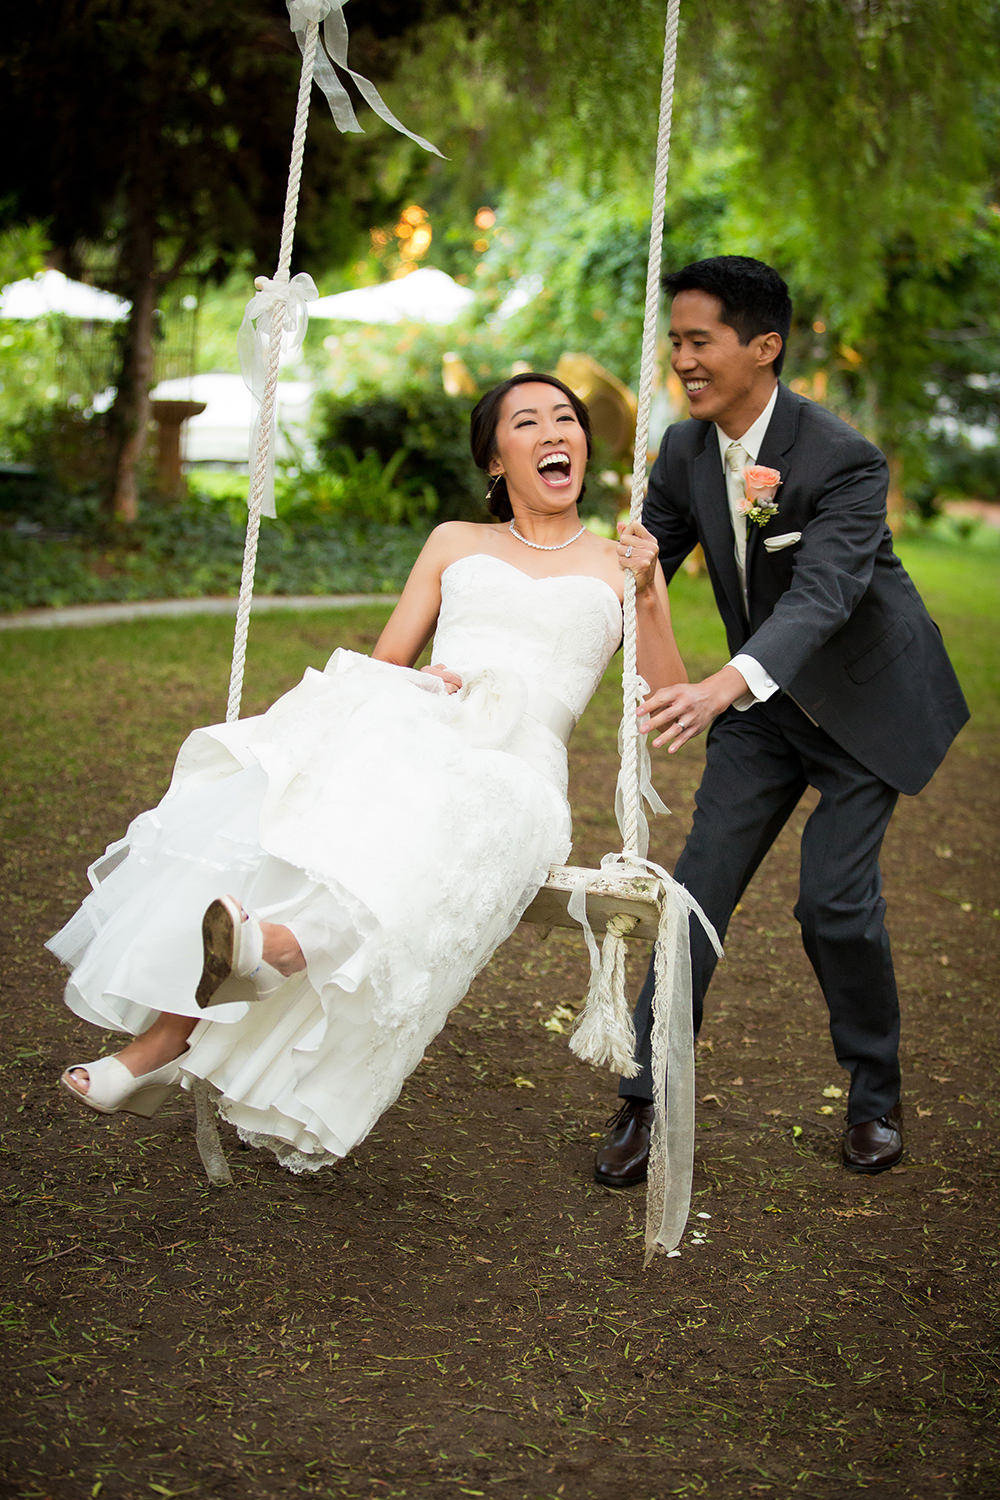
[(778, 543)]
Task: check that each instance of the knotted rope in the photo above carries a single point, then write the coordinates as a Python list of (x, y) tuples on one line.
[(274, 322), (605, 1033)]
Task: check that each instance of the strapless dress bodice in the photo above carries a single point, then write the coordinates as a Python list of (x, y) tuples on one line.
[(556, 634)]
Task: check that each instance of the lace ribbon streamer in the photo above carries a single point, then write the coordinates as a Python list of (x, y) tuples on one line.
[(334, 32), (671, 1150), (279, 308), (671, 1154), (206, 1136)]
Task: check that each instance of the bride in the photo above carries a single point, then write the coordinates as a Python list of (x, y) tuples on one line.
[(320, 884)]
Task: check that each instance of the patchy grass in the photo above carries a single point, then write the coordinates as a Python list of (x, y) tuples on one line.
[(458, 1310)]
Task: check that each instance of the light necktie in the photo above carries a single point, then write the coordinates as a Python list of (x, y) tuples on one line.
[(737, 459)]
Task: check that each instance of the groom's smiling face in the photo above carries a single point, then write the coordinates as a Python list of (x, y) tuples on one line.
[(726, 381)]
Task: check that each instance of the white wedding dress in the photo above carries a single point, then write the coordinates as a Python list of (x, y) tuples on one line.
[(398, 830)]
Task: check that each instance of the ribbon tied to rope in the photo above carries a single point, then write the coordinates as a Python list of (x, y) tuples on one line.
[(329, 14), (278, 312)]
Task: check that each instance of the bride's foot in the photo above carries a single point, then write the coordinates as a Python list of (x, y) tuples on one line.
[(237, 945), (108, 1085), (281, 949), (233, 947), (147, 1061)]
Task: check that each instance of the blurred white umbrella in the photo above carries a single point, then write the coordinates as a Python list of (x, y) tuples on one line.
[(52, 292), (424, 296)]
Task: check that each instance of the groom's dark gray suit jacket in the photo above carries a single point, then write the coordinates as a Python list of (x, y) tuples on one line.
[(834, 617)]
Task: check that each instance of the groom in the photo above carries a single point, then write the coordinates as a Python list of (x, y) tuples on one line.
[(837, 680)]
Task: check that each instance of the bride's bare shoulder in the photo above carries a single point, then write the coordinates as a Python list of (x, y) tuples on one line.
[(602, 553), (454, 539)]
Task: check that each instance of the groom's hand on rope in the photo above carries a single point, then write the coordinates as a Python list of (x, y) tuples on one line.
[(676, 714), (451, 680), (638, 552)]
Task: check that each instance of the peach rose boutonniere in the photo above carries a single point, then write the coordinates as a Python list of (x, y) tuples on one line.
[(760, 486)]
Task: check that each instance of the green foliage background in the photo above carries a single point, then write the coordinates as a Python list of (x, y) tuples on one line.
[(855, 145)]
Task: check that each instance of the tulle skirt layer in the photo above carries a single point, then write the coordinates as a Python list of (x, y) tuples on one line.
[(397, 831)]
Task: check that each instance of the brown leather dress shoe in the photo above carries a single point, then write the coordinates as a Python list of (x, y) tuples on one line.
[(623, 1158), (874, 1145)]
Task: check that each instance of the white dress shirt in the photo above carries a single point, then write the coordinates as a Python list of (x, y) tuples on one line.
[(761, 684)]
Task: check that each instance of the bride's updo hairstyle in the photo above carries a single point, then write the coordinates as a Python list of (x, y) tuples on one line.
[(483, 433)]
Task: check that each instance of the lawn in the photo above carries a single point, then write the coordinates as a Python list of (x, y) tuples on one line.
[(457, 1309)]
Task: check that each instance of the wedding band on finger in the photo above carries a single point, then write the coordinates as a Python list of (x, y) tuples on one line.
[(628, 551), (681, 724)]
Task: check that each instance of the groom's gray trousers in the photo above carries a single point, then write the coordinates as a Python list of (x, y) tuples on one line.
[(758, 764)]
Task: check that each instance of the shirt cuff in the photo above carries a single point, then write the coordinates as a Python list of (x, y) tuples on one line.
[(761, 685)]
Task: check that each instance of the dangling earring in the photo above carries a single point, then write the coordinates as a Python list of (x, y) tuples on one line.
[(496, 480)]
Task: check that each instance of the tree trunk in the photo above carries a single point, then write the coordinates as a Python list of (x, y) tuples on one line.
[(131, 411), (895, 501)]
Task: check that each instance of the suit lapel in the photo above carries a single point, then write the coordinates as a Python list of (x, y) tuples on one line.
[(712, 504), (778, 439)]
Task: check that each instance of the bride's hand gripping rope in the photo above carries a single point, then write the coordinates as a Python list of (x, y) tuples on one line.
[(637, 553)]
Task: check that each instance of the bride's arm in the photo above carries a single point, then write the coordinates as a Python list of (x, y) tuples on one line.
[(412, 622), (657, 656)]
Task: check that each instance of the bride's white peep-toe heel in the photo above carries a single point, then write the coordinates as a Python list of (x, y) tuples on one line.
[(113, 1088), (233, 946)]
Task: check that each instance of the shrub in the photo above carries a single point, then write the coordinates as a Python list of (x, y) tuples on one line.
[(63, 457), (196, 548), (418, 436)]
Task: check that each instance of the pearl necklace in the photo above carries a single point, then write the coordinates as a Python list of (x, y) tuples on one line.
[(540, 546)]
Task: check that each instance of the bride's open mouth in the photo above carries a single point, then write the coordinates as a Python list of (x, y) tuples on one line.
[(556, 469)]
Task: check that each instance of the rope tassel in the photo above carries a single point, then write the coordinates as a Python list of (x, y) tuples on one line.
[(604, 1034)]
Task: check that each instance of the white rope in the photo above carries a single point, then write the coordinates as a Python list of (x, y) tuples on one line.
[(631, 692), (605, 1032), (275, 324)]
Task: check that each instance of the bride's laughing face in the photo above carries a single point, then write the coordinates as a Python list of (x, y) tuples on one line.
[(541, 448)]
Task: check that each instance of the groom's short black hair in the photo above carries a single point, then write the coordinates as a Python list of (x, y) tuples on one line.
[(754, 298)]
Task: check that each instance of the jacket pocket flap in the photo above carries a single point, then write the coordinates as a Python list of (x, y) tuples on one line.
[(885, 650)]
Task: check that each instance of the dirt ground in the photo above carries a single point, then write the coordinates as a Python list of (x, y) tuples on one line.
[(457, 1309)]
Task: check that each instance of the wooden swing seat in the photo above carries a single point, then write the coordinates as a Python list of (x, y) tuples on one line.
[(608, 895)]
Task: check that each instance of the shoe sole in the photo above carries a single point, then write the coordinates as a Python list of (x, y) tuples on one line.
[(144, 1103), (619, 1186), (218, 939), (872, 1170)]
